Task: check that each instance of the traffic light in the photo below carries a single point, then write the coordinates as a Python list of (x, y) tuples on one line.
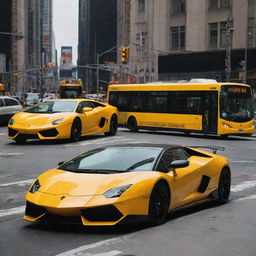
[(125, 55)]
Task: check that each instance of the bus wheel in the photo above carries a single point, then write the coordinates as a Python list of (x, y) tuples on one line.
[(132, 124), (76, 130), (113, 126)]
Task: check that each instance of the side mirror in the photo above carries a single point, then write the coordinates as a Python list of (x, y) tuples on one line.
[(60, 163), (179, 164), (87, 109)]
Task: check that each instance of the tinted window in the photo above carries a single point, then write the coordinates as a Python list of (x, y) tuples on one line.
[(1, 103), (114, 159), (11, 102)]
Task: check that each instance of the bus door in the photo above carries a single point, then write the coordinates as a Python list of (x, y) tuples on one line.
[(210, 112)]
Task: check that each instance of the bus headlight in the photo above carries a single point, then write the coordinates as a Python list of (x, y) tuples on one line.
[(226, 125)]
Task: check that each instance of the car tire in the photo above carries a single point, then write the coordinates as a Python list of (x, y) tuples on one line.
[(159, 204), (132, 124), (224, 186), (20, 139), (113, 126), (76, 130)]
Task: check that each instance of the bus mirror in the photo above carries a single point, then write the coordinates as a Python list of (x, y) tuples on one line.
[(87, 109)]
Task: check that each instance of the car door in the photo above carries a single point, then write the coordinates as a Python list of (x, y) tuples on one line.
[(12, 106), (184, 181)]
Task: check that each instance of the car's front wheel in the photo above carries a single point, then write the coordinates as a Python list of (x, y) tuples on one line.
[(76, 130), (159, 204), (113, 126), (224, 186)]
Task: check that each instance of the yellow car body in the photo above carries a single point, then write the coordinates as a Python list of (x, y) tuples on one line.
[(92, 198), (91, 117)]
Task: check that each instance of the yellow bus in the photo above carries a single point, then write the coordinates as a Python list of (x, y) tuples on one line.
[(205, 107), (70, 89)]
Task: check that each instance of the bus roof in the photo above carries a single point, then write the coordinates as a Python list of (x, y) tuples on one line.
[(172, 86)]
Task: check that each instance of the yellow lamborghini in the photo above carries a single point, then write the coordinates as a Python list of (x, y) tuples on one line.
[(127, 183), (62, 119)]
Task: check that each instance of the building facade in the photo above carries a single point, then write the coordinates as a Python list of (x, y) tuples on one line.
[(176, 29), (97, 34)]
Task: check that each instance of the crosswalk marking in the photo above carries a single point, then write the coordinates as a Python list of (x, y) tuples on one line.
[(16, 210), (19, 183), (2, 133), (10, 154)]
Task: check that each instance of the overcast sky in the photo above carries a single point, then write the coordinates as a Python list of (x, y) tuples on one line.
[(65, 25)]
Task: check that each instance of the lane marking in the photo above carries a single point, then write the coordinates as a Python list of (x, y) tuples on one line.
[(12, 211), (246, 198), (243, 186), (248, 162), (2, 133), (10, 154), (19, 183), (111, 253), (89, 246)]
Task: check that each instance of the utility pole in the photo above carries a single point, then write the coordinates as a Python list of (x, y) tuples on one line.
[(229, 31)]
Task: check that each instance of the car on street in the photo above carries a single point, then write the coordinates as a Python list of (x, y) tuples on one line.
[(128, 183), (8, 107), (31, 98), (63, 119)]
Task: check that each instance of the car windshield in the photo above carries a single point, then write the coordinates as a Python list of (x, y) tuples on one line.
[(236, 104), (114, 160), (53, 107)]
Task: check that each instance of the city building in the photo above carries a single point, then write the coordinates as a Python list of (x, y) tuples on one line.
[(191, 38), (97, 34)]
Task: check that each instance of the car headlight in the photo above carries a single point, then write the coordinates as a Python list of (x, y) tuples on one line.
[(226, 125), (57, 121), (116, 192), (35, 187), (12, 122)]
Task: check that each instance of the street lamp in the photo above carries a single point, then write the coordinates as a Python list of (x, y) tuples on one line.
[(97, 64), (18, 35)]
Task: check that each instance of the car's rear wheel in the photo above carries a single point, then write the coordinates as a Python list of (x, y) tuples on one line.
[(132, 124), (113, 126), (159, 204), (76, 130), (224, 186), (20, 139)]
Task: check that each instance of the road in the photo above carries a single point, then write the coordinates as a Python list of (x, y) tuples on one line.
[(206, 230)]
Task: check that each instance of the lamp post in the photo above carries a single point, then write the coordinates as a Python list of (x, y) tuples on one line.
[(97, 64)]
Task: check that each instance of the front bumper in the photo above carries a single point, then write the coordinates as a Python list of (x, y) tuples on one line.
[(96, 211), (53, 132)]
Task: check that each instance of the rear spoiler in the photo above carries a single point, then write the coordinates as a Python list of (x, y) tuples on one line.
[(213, 148)]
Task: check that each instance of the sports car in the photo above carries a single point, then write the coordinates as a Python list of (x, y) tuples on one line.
[(126, 183), (62, 119)]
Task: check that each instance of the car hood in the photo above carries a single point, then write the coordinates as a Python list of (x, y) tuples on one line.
[(39, 119), (59, 182)]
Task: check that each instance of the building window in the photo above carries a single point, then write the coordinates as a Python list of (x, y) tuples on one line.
[(178, 38), (215, 4), (223, 34), (178, 7), (213, 35), (251, 39), (217, 35), (141, 6)]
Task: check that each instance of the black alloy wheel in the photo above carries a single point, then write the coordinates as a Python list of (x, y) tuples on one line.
[(113, 126), (76, 130), (132, 124), (159, 204), (224, 186), (20, 139)]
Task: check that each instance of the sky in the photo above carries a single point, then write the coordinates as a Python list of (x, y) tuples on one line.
[(65, 25)]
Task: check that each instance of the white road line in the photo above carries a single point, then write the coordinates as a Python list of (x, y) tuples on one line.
[(19, 183), (246, 198), (111, 253), (2, 133), (243, 186), (89, 246), (12, 211), (10, 154), (247, 162)]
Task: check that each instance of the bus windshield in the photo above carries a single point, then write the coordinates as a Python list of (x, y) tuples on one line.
[(236, 104)]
